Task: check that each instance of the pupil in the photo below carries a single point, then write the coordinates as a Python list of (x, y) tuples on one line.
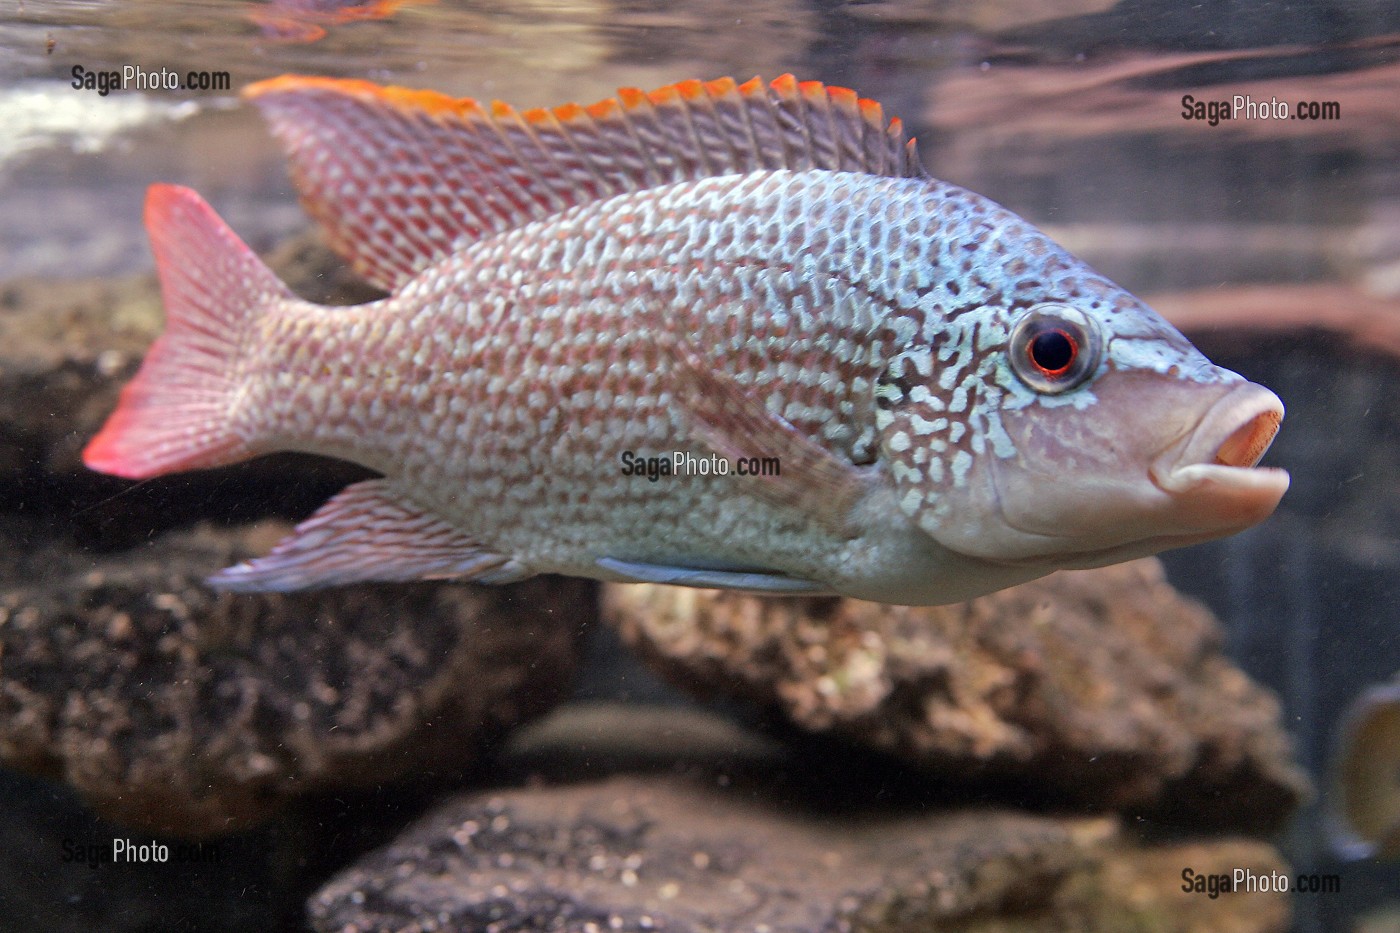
[(1053, 351)]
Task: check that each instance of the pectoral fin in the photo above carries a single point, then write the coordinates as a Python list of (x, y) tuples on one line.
[(735, 424), (369, 533)]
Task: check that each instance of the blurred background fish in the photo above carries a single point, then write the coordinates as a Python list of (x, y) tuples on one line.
[(302, 21), (1364, 811)]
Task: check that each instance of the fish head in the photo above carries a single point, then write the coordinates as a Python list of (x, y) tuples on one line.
[(1074, 432)]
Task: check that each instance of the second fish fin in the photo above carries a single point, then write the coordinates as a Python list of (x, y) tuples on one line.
[(369, 533), (734, 423), (761, 582)]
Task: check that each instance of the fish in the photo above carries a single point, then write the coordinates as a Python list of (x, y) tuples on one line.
[(715, 335), (1362, 817), (305, 21)]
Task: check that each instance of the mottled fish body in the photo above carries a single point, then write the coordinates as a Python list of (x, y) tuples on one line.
[(711, 272)]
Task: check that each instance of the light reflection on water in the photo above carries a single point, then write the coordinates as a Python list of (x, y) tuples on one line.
[(532, 53), (1078, 131)]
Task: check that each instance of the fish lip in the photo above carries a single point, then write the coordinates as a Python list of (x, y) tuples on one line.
[(1222, 451), (1207, 485)]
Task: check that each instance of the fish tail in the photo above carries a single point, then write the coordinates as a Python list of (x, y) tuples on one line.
[(177, 413)]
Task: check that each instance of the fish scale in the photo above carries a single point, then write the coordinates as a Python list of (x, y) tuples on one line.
[(618, 300), (743, 272)]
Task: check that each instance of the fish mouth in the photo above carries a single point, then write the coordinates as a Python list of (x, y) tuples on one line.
[(1214, 467)]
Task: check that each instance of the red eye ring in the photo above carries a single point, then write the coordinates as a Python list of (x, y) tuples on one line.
[(1055, 348), (1053, 351)]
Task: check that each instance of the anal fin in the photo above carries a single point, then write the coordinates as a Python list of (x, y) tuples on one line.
[(369, 533), (745, 581)]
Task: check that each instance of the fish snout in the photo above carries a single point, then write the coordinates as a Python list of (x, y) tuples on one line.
[(1213, 471)]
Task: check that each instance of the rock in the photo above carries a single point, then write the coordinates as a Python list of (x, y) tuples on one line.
[(695, 847), (1100, 688), (176, 709), (64, 351), (58, 874)]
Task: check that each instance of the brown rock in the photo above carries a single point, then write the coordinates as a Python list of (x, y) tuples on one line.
[(1104, 688), (707, 850), (64, 350), (176, 709)]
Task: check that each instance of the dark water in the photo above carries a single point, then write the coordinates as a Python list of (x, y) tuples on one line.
[(1069, 112)]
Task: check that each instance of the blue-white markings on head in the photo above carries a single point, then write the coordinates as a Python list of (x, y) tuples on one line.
[(1154, 354)]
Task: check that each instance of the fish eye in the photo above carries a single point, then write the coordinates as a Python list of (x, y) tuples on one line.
[(1054, 348)]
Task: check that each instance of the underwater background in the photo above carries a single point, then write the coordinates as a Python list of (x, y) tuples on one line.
[(1273, 243)]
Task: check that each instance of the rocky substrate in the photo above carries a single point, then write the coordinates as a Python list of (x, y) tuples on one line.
[(1102, 688), (690, 836), (176, 709)]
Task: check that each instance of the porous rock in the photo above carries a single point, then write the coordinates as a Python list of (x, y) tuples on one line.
[(688, 848), (180, 710), (1102, 688), (64, 351)]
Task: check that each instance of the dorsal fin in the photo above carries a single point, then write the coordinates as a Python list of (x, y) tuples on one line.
[(400, 178)]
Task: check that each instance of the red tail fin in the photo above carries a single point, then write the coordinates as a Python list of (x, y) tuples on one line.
[(175, 415)]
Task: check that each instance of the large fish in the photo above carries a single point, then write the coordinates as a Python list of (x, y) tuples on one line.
[(918, 396)]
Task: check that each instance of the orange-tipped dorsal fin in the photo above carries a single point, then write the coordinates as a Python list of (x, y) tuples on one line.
[(401, 178)]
